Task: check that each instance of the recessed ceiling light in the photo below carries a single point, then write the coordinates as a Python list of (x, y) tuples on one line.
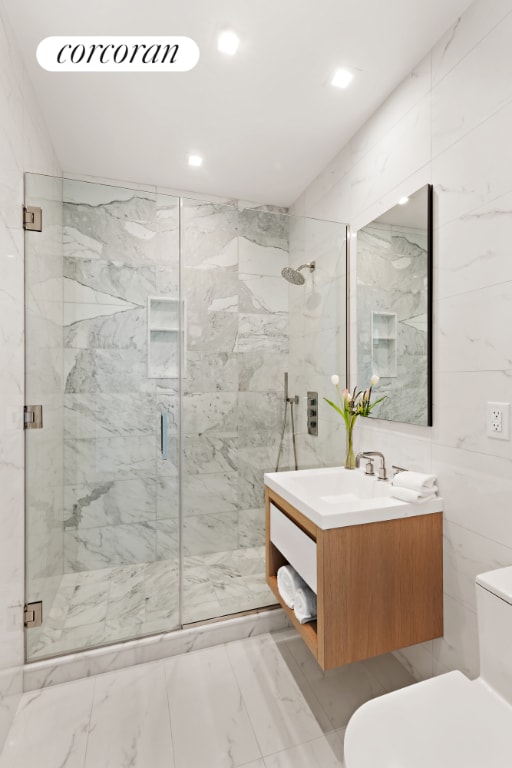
[(341, 78), (403, 200), (228, 42), (195, 160)]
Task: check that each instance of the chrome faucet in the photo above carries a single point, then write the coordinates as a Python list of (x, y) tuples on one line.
[(383, 475)]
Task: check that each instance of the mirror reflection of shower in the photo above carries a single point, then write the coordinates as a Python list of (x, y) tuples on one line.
[(292, 401), (294, 276)]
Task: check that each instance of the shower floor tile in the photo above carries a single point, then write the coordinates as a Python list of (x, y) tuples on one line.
[(110, 605), (256, 703)]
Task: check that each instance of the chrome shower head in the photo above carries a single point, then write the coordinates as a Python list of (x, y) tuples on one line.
[(293, 275)]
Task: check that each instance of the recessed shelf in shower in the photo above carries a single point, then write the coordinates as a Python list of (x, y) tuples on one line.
[(384, 344), (164, 329)]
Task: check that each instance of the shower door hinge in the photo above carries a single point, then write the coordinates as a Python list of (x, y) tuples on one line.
[(32, 218), (33, 417), (33, 615)]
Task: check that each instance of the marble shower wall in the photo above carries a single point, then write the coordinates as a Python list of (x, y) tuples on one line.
[(120, 498), (121, 246), (237, 351), (44, 462), (317, 333), (24, 145), (263, 354), (449, 124), (391, 277)]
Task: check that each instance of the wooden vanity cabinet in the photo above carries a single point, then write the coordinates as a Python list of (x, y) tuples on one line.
[(379, 585)]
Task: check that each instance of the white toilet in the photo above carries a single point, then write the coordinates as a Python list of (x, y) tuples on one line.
[(448, 721)]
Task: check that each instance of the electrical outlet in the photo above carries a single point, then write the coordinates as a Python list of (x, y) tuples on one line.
[(498, 419)]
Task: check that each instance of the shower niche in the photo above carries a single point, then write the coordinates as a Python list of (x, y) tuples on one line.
[(166, 333), (384, 343)]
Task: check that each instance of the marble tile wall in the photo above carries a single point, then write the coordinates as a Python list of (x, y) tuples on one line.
[(264, 238), (237, 352), (449, 124), (120, 499), (210, 385), (24, 145), (121, 246)]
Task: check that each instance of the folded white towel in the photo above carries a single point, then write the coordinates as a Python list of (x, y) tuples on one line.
[(305, 604), (407, 494), (416, 481), (288, 582)]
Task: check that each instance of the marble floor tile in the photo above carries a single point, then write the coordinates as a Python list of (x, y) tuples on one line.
[(256, 764), (285, 641), (389, 672), (336, 741), (210, 723), (238, 705), (279, 713), (248, 585), (74, 639), (109, 605), (130, 726), (339, 691), (201, 605), (128, 608), (51, 728), (318, 752), (88, 605)]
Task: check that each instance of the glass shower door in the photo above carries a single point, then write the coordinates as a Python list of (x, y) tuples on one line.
[(237, 352), (103, 336)]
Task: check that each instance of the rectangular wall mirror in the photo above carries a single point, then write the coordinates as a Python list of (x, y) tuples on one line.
[(394, 308)]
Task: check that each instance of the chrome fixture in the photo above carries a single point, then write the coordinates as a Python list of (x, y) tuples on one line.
[(369, 468), (292, 401), (398, 469), (32, 218), (383, 475), (312, 413), (33, 615), (33, 417), (293, 275), (164, 435)]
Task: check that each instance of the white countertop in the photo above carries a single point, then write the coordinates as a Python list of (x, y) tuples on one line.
[(334, 497)]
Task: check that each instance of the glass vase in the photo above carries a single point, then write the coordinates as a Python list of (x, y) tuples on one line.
[(350, 459)]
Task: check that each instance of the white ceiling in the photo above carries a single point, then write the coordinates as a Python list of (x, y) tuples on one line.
[(266, 121)]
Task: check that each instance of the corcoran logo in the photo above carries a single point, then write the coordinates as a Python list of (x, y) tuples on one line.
[(117, 54)]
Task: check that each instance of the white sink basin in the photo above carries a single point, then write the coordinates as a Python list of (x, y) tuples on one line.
[(333, 497)]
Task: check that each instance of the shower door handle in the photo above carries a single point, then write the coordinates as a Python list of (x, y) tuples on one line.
[(164, 420)]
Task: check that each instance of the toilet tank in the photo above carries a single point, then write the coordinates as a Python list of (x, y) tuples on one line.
[(494, 608)]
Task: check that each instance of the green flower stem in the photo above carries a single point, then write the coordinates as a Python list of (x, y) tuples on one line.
[(350, 459)]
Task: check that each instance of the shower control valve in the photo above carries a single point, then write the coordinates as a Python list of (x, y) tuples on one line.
[(312, 413)]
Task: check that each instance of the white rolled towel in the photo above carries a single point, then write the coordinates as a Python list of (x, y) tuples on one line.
[(416, 481), (407, 494), (305, 604), (288, 582)]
